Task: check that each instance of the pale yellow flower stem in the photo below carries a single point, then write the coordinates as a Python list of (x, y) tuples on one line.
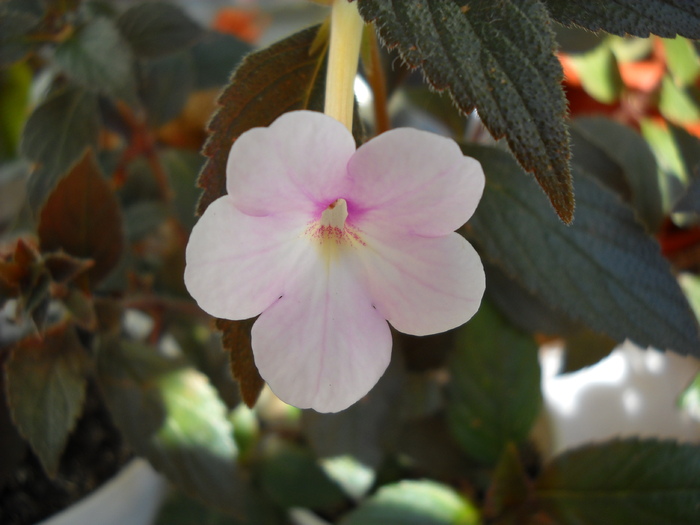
[(343, 56)]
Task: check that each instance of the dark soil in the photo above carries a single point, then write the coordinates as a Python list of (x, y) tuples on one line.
[(94, 453)]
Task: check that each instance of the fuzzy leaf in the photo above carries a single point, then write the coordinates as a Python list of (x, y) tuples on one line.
[(172, 415), (495, 388), (56, 136), (46, 389), (155, 29), (97, 58), (420, 502), (499, 58), (510, 487), (603, 270), (272, 81), (83, 218), (628, 481), (236, 341), (635, 17)]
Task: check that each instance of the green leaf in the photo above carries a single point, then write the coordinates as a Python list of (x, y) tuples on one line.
[(635, 17), (644, 482), (178, 509), (182, 167), (283, 77), (603, 270), (97, 58), (56, 136), (499, 58), (678, 104), (166, 84), (291, 476), (156, 29), (83, 218), (633, 164), (599, 73), (46, 390), (215, 56), (421, 502), (171, 414), (689, 400), (682, 60), (14, 99), (585, 348), (494, 394), (17, 18)]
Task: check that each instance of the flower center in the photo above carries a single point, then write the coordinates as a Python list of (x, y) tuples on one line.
[(331, 231), (334, 216)]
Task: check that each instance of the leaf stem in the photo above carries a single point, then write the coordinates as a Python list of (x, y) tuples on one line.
[(343, 57)]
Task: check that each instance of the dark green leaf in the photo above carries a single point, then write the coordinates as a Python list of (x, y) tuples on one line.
[(172, 415), (414, 503), (498, 57), (143, 218), (603, 270), (97, 58), (284, 77), (17, 18), (83, 218), (215, 57), (291, 476), (178, 509), (46, 389), (166, 84), (156, 28), (585, 348), (633, 165), (629, 481), (510, 487), (635, 17), (182, 167), (56, 136), (495, 388)]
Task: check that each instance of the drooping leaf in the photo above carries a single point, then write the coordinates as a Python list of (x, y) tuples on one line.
[(291, 477), (283, 77), (97, 58), (236, 341), (56, 136), (598, 137), (171, 414), (155, 29), (603, 270), (46, 389), (421, 502), (83, 218), (635, 17), (499, 58), (494, 394), (644, 482)]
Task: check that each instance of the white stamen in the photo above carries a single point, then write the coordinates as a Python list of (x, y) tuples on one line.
[(335, 215)]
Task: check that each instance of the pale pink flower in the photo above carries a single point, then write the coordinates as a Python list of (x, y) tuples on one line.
[(327, 243)]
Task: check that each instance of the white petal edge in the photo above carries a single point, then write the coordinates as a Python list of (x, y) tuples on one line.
[(424, 285), (418, 182), (322, 345), (238, 265), (296, 165)]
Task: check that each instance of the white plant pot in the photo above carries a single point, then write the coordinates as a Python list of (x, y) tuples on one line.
[(632, 392), (132, 497)]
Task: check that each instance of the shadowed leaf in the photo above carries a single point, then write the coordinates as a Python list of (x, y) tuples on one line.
[(644, 482), (499, 58), (82, 217), (56, 136), (46, 389), (604, 270), (635, 17), (283, 77)]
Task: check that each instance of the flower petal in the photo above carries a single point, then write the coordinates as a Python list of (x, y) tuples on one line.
[(424, 285), (238, 265), (322, 345), (415, 181), (297, 165)]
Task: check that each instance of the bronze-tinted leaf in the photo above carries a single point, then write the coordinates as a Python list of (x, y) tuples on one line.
[(283, 77), (82, 217), (236, 341)]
